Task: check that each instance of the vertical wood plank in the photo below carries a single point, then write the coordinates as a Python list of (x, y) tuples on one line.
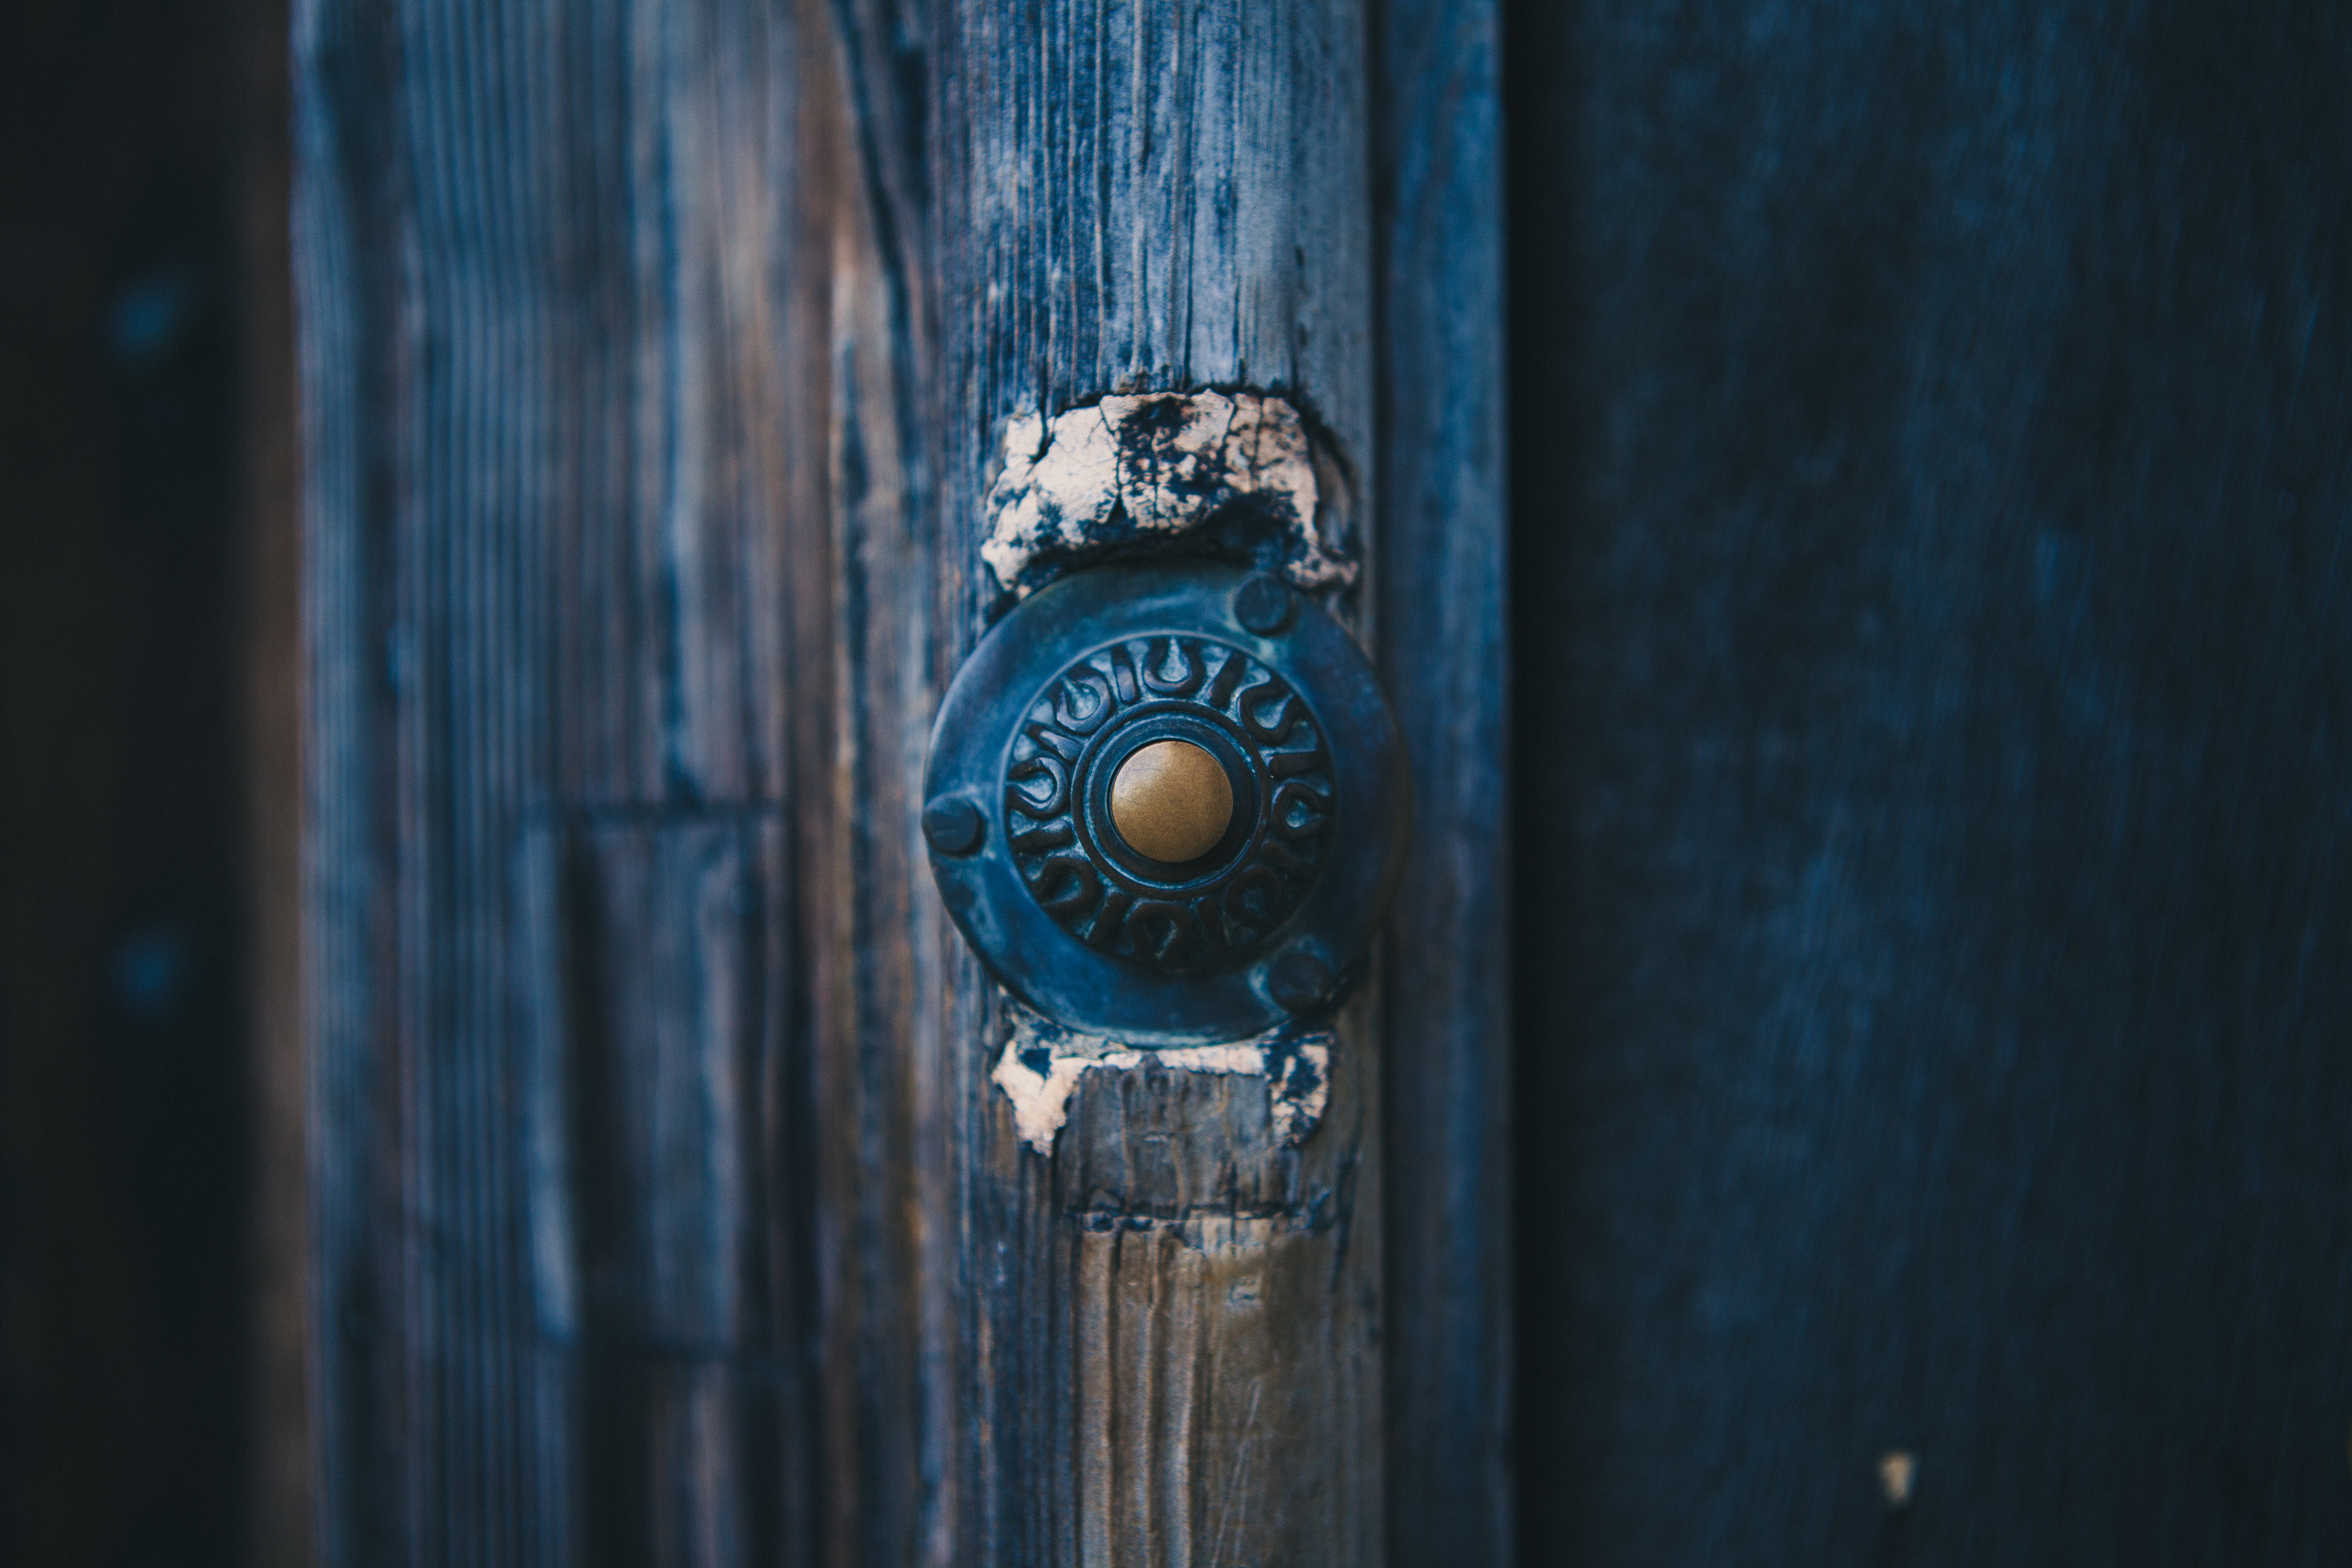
[(1040, 209), (1161, 1365), (863, 567), (545, 259), (1444, 642)]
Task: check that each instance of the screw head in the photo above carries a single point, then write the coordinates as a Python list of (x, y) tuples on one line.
[(1298, 981), (1263, 604), (953, 826)]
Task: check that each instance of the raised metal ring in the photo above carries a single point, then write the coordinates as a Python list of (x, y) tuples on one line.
[(1101, 937)]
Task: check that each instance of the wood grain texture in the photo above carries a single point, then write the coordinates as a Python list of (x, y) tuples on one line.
[(541, 257), (1140, 198), (1165, 1363), (866, 579), (1444, 644), (1933, 573), (655, 360)]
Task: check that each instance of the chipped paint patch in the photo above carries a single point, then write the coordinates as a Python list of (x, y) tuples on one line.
[(1239, 467), (1043, 1063)]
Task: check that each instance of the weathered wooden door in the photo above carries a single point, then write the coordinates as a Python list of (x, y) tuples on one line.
[(675, 1196)]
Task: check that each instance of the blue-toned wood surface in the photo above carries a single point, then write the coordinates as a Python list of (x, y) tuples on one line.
[(1444, 639), (1930, 471), (656, 362)]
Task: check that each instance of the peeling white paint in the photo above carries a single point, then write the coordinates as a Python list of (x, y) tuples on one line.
[(1300, 1096), (1041, 1101), (1041, 1065), (1155, 466)]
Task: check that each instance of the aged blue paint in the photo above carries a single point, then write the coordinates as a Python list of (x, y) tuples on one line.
[(1930, 450)]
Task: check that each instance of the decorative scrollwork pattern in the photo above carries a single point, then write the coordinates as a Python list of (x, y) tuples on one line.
[(1207, 913)]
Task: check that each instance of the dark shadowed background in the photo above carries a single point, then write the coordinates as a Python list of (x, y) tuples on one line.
[(126, 1364), (1935, 946)]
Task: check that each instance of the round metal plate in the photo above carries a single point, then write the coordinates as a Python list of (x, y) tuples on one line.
[(1270, 924)]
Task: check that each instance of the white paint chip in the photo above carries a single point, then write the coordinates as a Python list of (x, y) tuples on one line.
[(1154, 467), (1041, 1065)]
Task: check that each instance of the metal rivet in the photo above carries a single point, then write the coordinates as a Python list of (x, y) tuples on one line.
[(1263, 604), (1172, 801), (1298, 981), (952, 825)]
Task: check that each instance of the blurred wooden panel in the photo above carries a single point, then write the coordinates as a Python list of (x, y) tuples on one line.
[(1932, 581), (546, 262), (655, 362)]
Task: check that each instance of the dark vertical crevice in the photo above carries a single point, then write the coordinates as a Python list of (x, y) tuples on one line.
[(617, 1467), (1549, 450)]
